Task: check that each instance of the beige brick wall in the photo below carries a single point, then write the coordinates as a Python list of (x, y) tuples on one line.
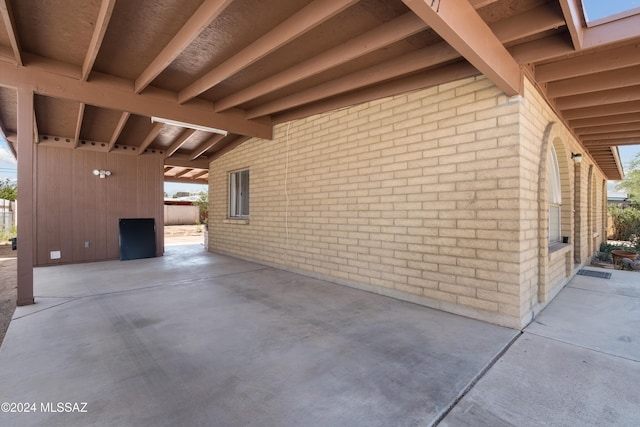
[(581, 220), (430, 196)]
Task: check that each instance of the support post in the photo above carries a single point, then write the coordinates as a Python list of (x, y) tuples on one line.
[(25, 196)]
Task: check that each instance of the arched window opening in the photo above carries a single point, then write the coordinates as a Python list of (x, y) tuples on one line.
[(554, 197)]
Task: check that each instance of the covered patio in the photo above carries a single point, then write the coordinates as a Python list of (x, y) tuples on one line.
[(249, 344)]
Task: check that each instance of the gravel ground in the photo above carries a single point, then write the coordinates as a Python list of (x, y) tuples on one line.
[(7, 287), (175, 234)]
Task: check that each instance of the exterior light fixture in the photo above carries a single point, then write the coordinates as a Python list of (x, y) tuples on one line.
[(577, 157), (101, 173), (188, 125)]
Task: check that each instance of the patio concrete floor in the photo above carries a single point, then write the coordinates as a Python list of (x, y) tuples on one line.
[(195, 338)]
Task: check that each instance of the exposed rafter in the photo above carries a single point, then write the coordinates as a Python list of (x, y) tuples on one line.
[(526, 24), (596, 62), (457, 22), (206, 13), (118, 130), (189, 180), (202, 148), (80, 116), (617, 142), (199, 174), (183, 161), (150, 137), (306, 19), (624, 127), (541, 50), (599, 98), (604, 120), (598, 111), (610, 136), (384, 35), (179, 142), (572, 11), (408, 63), (607, 80), (117, 94), (421, 80), (9, 24), (182, 173), (104, 15)]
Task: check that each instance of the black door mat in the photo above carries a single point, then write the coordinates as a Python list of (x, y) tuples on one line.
[(591, 273)]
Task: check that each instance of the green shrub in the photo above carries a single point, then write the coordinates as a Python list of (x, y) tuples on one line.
[(7, 235), (626, 224)]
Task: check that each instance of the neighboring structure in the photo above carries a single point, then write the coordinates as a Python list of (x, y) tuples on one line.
[(180, 211), (7, 214), (442, 196)]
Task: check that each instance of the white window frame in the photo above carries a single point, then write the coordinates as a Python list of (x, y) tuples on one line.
[(239, 194), (554, 198)]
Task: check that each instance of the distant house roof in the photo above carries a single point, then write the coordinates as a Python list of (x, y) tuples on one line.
[(181, 201)]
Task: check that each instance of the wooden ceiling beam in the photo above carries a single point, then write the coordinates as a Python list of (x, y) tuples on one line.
[(608, 136), (155, 131), (616, 142), (118, 94), (526, 24), (76, 136), (10, 26), (606, 80), (179, 142), (202, 148), (201, 19), (621, 57), (199, 174), (182, 172), (405, 64), (118, 130), (301, 22), (604, 97), (381, 36), (572, 11), (398, 29), (604, 120), (542, 49), (457, 22), (183, 161), (481, 3), (602, 111), (102, 22), (413, 82), (624, 127), (186, 180)]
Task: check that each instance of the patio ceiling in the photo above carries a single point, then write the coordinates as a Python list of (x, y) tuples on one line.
[(102, 68)]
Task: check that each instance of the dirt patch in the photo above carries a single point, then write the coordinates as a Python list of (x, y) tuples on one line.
[(183, 234), (8, 280)]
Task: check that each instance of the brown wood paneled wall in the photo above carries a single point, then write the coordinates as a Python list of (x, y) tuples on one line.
[(74, 207)]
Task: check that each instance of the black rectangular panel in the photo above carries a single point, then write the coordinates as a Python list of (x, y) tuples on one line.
[(137, 238)]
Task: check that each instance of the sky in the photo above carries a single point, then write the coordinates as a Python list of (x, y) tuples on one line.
[(596, 9)]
